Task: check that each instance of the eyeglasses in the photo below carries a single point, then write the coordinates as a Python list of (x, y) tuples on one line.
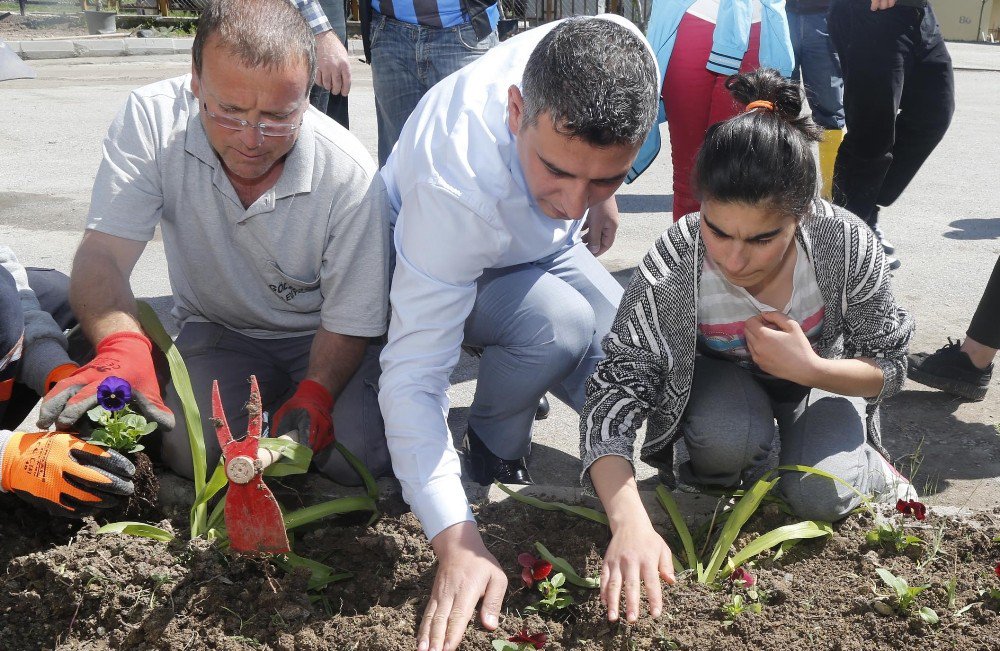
[(266, 129)]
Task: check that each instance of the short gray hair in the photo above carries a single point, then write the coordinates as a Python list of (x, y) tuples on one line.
[(597, 81), (266, 34)]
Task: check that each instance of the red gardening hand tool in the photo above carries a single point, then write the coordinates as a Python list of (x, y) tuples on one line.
[(253, 519)]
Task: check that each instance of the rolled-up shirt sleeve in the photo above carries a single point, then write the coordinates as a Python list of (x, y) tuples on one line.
[(444, 240)]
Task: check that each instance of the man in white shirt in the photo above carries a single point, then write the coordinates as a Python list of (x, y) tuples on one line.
[(490, 181)]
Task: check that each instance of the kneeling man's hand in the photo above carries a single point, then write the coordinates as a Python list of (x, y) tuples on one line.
[(466, 572), (310, 413)]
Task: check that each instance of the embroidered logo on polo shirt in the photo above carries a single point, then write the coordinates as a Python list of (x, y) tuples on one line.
[(288, 292)]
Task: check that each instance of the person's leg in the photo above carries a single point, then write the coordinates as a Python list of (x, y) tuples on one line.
[(985, 326), (578, 267), (395, 78), (453, 48), (925, 109), (11, 339), (358, 425), (965, 369), (728, 425), (215, 353), (828, 432), (875, 48), (535, 330), (335, 106), (51, 288), (687, 99), (824, 86)]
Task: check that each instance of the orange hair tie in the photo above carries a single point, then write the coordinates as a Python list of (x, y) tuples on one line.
[(760, 103)]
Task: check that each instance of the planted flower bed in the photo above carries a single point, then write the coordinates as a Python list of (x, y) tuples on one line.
[(68, 587)]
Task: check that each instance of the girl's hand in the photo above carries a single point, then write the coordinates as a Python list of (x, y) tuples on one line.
[(636, 554), (779, 347)]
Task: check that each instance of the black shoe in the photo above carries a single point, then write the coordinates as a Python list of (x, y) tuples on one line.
[(543, 409), (951, 370), (483, 467)]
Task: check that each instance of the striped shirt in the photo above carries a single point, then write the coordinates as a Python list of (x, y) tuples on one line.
[(723, 309), (313, 14), (432, 13)]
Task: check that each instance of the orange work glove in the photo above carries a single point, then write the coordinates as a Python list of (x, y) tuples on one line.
[(127, 355), (63, 474), (308, 412)]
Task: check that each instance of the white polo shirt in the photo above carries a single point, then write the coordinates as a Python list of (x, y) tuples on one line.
[(311, 250), (463, 206)]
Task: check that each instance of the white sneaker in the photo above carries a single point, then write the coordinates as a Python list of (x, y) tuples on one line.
[(897, 487)]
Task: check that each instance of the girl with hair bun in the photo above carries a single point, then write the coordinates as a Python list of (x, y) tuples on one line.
[(769, 306)]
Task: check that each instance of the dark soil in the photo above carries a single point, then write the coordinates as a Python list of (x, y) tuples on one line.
[(143, 503), (66, 587)]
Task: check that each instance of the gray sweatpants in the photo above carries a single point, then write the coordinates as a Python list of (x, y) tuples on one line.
[(213, 352), (729, 430), (540, 326)]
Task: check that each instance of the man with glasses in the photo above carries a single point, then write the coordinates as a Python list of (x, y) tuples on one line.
[(274, 231)]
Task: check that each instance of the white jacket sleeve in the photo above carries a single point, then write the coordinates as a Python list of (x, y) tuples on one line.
[(444, 240)]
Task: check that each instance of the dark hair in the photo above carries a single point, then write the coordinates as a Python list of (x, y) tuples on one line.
[(762, 156), (597, 81), (266, 34)]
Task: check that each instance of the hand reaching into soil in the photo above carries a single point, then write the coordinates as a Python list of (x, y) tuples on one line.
[(467, 571), (636, 554)]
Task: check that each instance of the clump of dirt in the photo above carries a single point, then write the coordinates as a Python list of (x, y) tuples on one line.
[(142, 505), (67, 587)]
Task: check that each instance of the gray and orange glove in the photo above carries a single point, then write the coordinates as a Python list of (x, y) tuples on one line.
[(309, 412), (63, 474), (127, 355)]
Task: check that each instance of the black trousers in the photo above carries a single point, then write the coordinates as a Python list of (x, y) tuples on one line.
[(51, 288), (985, 326), (899, 96)]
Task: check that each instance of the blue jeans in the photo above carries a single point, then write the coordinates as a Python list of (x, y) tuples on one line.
[(817, 64), (540, 326), (335, 106), (407, 60)]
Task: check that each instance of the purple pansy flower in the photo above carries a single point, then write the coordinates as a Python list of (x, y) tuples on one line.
[(114, 393)]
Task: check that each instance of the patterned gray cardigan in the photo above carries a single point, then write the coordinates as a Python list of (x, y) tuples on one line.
[(650, 351)]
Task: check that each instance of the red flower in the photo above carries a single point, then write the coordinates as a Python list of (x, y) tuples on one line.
[(912, 507), (537, 640), (996, 569), (744, 575), (533, 569)]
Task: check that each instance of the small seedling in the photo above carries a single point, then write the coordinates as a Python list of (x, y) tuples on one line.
[(554, 596), (890, 534), (905, 596), (747, 596)]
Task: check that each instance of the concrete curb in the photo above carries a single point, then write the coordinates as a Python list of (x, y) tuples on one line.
[(109, 47)]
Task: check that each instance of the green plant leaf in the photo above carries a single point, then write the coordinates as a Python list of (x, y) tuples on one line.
[(899, 586), (928, 615), (315, 512), (810, 470), (580, 511), (370, 486), (136, 448), (192, 416), (670, 506), (504, 645), (321, 575), (216, 519), (779, 536), (744, 508), (293, 454), (217, 482), (562, 566), (138, 529)]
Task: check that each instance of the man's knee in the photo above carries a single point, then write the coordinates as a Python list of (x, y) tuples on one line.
[(563, 330)]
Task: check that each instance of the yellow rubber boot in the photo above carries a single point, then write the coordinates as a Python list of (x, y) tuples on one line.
[(828, 148)]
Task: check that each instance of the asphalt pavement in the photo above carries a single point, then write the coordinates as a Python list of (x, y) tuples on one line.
[(946, 228)]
